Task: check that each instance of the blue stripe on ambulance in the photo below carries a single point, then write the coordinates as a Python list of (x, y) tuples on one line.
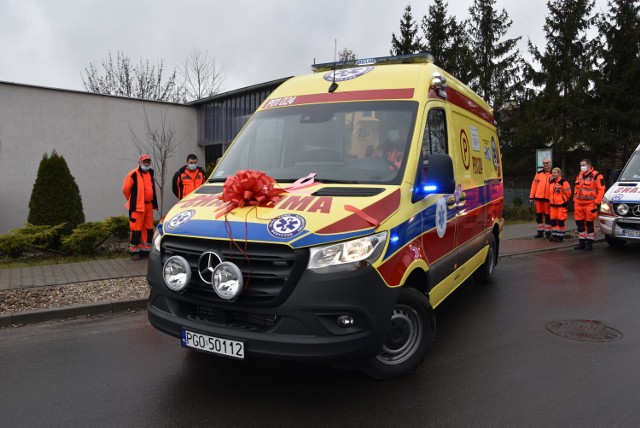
[(406, 232), (258, 232)]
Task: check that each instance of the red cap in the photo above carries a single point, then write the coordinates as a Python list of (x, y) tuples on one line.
[(144, 157)]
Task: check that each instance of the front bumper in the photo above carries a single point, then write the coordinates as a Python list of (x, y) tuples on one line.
[(627, 228), (300, 326)]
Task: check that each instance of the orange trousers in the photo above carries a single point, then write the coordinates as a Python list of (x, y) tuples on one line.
[(141, 228), (585, 215), (558, 217), (542, 216)]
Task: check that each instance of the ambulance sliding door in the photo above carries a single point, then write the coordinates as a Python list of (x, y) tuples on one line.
[(467, 142)]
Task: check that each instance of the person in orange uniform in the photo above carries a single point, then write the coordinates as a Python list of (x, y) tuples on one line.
[(140, 191), (558, 193), (538, 194), (587, 195), (188, 178)]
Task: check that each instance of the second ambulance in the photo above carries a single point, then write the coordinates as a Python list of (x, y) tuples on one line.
[(619, 215), (352, 203)]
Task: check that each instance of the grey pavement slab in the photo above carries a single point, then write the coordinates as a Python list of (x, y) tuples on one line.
[(68, 273)]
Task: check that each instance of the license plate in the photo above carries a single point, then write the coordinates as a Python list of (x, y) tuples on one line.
[(214, 345), (631, 233)]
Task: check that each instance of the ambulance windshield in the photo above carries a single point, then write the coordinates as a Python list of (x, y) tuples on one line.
[(360, 142), (631, 172)]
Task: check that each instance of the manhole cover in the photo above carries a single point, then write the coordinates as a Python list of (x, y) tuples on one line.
[(584, 330)]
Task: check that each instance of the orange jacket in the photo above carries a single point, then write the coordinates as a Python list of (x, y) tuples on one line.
[(589, 188), (559, 192), (540, 186), (185, 181), (135, 185)]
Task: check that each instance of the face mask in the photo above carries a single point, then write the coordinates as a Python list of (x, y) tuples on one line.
[(393, 135), (192, 166), (144, 168), (583, 168)]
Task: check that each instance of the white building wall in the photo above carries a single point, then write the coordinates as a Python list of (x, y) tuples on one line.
[(92, 133)]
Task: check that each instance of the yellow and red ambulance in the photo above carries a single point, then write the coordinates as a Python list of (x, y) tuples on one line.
[(351, 204)]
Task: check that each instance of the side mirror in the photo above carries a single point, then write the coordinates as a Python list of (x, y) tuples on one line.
[(435, 177)]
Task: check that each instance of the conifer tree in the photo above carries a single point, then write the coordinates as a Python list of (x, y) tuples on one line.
[(436, 28), (409, 41), (446, 40), (496, 61), (55, 197), (565, 74), (617, 87)]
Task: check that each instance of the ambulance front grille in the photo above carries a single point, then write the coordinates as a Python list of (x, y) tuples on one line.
[(209, 190), (270, 271), (634, 210)]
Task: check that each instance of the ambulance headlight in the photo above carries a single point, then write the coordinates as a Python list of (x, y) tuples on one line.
[(227, 280), (348, 255), (622, 209), (177, 273), (157, 237), (605, 207)]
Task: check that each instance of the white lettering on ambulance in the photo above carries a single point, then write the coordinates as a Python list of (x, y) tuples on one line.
[(279, 102)]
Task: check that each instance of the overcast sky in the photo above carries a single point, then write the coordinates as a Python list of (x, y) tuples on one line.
[(51, 42)]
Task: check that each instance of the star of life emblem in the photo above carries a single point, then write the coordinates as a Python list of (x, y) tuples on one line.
[(179, 219), (346, 74), (286, 225), (441, 217)]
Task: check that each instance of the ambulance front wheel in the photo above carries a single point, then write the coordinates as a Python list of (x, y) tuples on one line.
[(410, 334), (613, 241)]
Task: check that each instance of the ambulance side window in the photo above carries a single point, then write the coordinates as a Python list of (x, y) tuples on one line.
[(435, 133)]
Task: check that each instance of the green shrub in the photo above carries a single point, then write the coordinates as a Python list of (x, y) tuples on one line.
[(55, 197), (118, 226), (13, 246), (517, 201), (518, 212), (85, 238), (44, 237)]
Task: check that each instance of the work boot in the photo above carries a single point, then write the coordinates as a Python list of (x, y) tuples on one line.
[(548, 235), (540, 234), (581, 245), (588, 245), (559, 238), (135, 256)]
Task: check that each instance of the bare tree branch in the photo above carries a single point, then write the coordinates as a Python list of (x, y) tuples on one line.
[(201, 76), (141, 81)]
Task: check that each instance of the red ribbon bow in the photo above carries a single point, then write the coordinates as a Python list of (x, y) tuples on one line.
[(248, 188)]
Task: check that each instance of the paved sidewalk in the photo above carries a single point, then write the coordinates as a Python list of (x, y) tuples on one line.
[(69, 273)]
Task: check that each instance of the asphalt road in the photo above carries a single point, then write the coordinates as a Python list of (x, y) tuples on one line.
[(495, 363)]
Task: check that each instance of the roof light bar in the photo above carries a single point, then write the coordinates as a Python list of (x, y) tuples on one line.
[(423, 57)]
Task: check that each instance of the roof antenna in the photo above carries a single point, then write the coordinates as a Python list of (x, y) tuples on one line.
[(334, 85)]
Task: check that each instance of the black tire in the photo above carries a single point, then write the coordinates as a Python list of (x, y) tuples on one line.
[(614, 242), (410, 335), (484, 274)]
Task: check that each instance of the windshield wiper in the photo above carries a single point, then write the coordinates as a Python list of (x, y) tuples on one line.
[(331, 180)]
